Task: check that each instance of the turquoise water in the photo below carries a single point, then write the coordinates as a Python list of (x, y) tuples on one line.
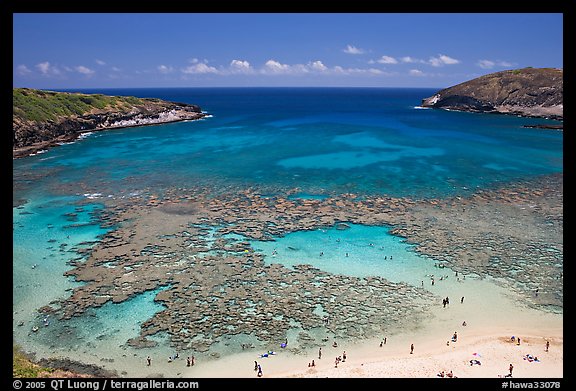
[(321, 142), (359, 251)]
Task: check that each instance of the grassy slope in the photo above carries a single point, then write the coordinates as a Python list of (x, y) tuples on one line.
[(24, 368), (40, 106)]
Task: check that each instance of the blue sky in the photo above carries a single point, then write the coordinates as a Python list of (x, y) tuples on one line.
[(106, 50)]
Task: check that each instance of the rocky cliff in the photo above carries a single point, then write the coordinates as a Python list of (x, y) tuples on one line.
[(42, 119), (529, 92)]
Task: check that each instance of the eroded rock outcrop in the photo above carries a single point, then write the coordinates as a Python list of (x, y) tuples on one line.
[(530, 92), (42, 119)]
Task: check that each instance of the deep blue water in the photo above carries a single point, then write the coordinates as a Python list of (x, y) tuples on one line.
[(322, 141)]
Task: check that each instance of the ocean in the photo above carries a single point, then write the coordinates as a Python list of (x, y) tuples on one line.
[(297, 144)]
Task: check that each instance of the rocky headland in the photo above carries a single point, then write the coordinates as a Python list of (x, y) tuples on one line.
[(43, 119), (528, 92)]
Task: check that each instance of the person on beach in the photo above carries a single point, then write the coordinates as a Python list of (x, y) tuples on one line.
[(148, 361), (462, 300), (319, 353), (192, 360), (381, 342), (188, 361), (344, 356), (510, 368), (411, 348), (259, 371), (547, 345), (518, 341), (334, 345), (255, 365)]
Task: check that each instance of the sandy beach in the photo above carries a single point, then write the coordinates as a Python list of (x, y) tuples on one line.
[(494, 352)]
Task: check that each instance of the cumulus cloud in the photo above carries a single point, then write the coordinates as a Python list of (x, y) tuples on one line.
[(43, 67), (199, 68), (240, 66), (442, 60), (489, 64), (84, 70), (164, 69), (409, 60), (100, 62), (23, 70), (350, 49), (416, 72), (273, 66), (318, 66), (48, 69), (387, 60)]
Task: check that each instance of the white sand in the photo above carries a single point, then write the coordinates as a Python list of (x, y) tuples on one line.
[(492, 314), (496, 354)]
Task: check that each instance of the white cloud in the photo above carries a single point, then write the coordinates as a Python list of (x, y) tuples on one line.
[(273, 66), (48, 69), (199, 68), (44, 67), (23, 70), (164, 69), (350, 49), (489, 64), (442, 60), (387, 60), (240, 66), (84, 70), (318, 66), (416, 72), (100, 62), (409, 59), (486, 64)]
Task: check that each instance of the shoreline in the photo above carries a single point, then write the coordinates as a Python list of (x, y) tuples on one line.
[(18, 153), (495, 351)]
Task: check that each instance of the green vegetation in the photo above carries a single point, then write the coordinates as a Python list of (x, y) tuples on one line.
[(23, 367), (39, 105)]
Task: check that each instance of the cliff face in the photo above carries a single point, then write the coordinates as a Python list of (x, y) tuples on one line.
[(530, 92), (42, 119)]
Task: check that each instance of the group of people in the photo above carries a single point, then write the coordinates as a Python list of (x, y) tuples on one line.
[(190, 360), (258, 369), (444, 374), (340, 359)]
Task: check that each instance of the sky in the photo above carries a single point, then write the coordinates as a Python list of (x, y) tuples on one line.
[(123, 50)]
